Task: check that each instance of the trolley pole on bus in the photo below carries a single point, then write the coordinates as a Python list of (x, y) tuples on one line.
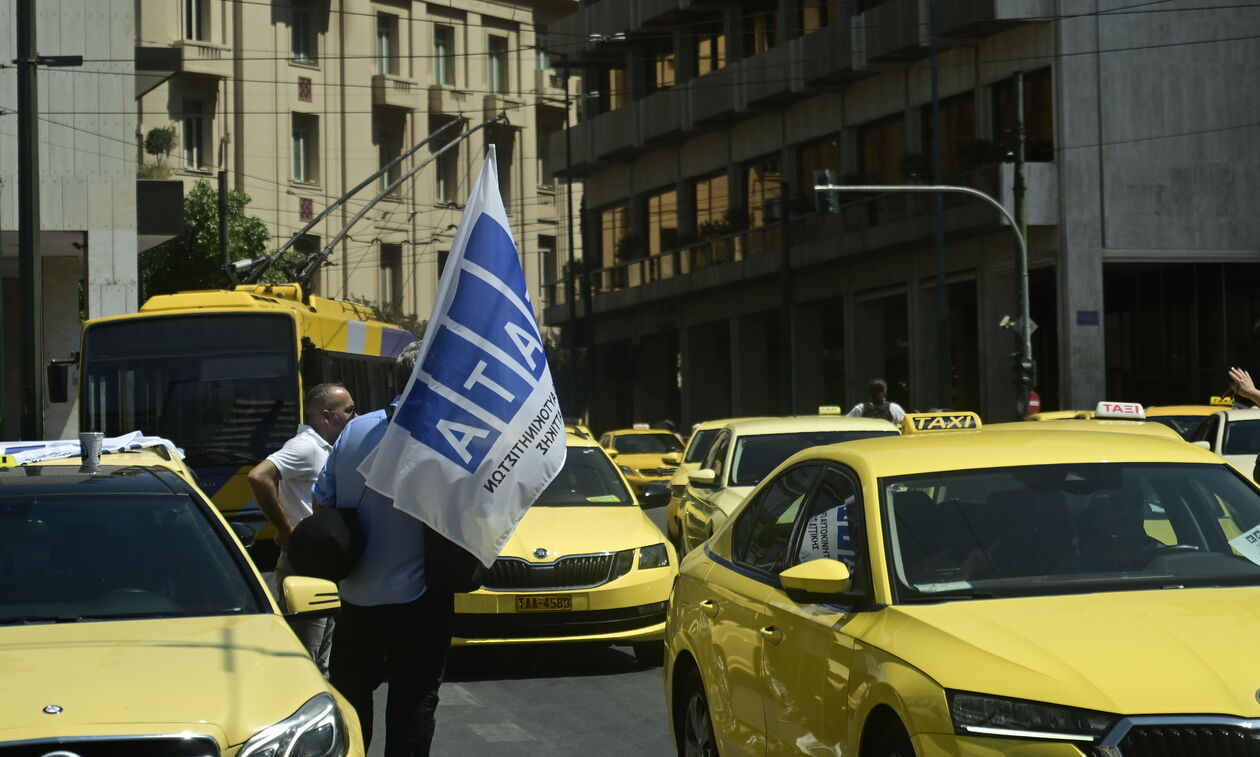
[(1024, 326)]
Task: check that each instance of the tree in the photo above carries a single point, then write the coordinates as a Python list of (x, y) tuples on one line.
[(192, 261), (158, 142)]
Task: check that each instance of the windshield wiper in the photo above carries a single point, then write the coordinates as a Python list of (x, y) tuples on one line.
[(952, 596), (34, 619)]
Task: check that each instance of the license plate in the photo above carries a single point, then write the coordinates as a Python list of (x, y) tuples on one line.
[(544, 603)]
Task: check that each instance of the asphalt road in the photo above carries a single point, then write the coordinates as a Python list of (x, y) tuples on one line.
[(558, 700)]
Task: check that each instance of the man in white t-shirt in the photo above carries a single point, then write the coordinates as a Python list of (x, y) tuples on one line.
[(281, 485)]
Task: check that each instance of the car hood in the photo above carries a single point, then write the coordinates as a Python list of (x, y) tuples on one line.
[(579, 531), (1140, 652), (225, 677)]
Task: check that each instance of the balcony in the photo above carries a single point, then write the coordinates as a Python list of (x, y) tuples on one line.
[(896, 31), (580, 161), (716, 94), (773, 75), (204, 58), (650, 10), (612, 133), (395, 92), (494, 104), (449, 101), (975, 18), (548, 84), (827, 54), (660, 115)]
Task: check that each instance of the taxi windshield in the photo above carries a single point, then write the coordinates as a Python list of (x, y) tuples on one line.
[(1185, 425), (756, 455), (1241, 438), (639, 444), (587, 479), (1065, 529), (75, 554)]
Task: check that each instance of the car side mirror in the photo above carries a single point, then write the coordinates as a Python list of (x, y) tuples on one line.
[(611, 452), (705, 478), (244, 532), (310, 597), (654, 495), (1204, 444), (821, 576), (671, 458)]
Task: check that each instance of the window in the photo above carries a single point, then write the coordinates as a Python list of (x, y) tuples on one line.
[(760, 31), (715, 460), (387, 44), (442, 256), (1038, 115), (547, 251), (618, 91), (302, 32), (713, 203), (195, 133), (663, 70), (710, 51), (958, 133), (819, 156), (832, 528), (762, 180), (881, 145), (498, 65), (305, 148), (389, 137), (614, 226), (764, 527), (196, 20), (446, 174), (813, 15), (444, 55), (391, 284), (662, 222)]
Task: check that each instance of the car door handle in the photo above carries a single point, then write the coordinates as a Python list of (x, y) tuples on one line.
[(709, 607), (771, 634)]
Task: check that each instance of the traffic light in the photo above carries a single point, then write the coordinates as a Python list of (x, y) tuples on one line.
[(1025, 370), (825, 202)]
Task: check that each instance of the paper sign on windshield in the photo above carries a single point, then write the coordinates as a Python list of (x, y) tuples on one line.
[(1247, 544)]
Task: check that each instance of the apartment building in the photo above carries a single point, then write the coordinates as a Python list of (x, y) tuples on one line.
[(301, 100), (95, 214), (719, 285)]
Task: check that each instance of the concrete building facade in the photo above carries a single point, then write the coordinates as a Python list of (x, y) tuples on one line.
[(300, 100), (699, 155), (92, 222)]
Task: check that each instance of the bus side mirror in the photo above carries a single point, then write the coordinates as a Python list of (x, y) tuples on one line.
[(58, 378)]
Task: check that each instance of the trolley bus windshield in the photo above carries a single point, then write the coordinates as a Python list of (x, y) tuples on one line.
[(223, 386)]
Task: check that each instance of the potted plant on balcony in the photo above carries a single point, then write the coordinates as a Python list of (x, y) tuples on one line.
[(158, 143)]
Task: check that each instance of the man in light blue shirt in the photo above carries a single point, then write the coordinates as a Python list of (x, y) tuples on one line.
[(390, 626)]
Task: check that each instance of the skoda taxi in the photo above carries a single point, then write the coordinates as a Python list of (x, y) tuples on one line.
[(132, 622), (640, 453), (744, 452), (962, 590), (584, 564)]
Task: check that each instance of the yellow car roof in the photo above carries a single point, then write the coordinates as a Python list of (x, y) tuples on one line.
[(1090, 424), (145, 457), (1057, 415), (809, 423), (1159, 410), (998, 447), (575, 440), (720, 422), (624, 431)]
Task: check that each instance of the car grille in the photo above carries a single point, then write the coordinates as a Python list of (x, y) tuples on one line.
[(657, 471), (576, 572), (535, 625), (133, 746), (1190, 740)]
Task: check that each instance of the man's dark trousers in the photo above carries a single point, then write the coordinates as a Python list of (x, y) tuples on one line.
[(405, 644)]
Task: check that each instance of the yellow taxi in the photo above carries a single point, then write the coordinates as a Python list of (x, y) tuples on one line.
[(640, 452), (1186, 419), (971, 591), (578, 429), (1059, 415), (1125, 417), (132, 622), (1234, 435), (744, 452), (584, 564), (702, 436)]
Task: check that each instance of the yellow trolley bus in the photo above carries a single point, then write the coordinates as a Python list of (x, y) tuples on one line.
[(222, 374)]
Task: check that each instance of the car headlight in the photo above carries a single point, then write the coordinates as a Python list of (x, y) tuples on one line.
[(626, 469), (999, 716), (621, 563), (655, 556), (315, 730)]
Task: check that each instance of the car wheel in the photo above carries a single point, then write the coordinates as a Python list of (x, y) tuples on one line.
[(650, 654), (892, 741), (695, 737)]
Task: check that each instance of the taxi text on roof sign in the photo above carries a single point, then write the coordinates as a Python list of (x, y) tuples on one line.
[(1222, 401), (919, 423), (1131, 411)]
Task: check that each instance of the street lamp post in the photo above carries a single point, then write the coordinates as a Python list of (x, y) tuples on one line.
[(1025, 324)]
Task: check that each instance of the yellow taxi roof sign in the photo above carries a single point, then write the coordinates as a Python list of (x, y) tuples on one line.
[(1128, 411), (1221, 401), (830, 410), (921, 423), (640, 427)]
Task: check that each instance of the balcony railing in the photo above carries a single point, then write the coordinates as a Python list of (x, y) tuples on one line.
[(394, 92), (659, 114), (896, 31), (827, 54), (448, 100), (773, 73), (716, 94), (205, 58)]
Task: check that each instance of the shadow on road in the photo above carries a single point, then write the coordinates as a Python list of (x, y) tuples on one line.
[(516, 661)]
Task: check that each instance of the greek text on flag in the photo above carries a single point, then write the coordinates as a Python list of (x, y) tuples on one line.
[(478, 433)]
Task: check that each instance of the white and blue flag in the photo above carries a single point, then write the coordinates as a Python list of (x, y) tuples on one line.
[(478, 434)]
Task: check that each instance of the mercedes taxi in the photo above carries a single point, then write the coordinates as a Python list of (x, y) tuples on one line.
[(584, 564), (698, 444), (744, 452), (132, 622), (968, 591), (640, 454)]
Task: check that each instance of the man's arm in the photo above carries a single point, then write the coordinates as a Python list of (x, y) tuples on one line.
[(264, 482)]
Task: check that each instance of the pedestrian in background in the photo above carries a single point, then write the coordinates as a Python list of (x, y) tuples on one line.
[(877, 404), (391, 627), (281, 485)]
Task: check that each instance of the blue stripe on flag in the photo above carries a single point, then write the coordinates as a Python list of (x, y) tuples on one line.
[(445, 427), (490, 247), (484, 310), (471, 372)]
